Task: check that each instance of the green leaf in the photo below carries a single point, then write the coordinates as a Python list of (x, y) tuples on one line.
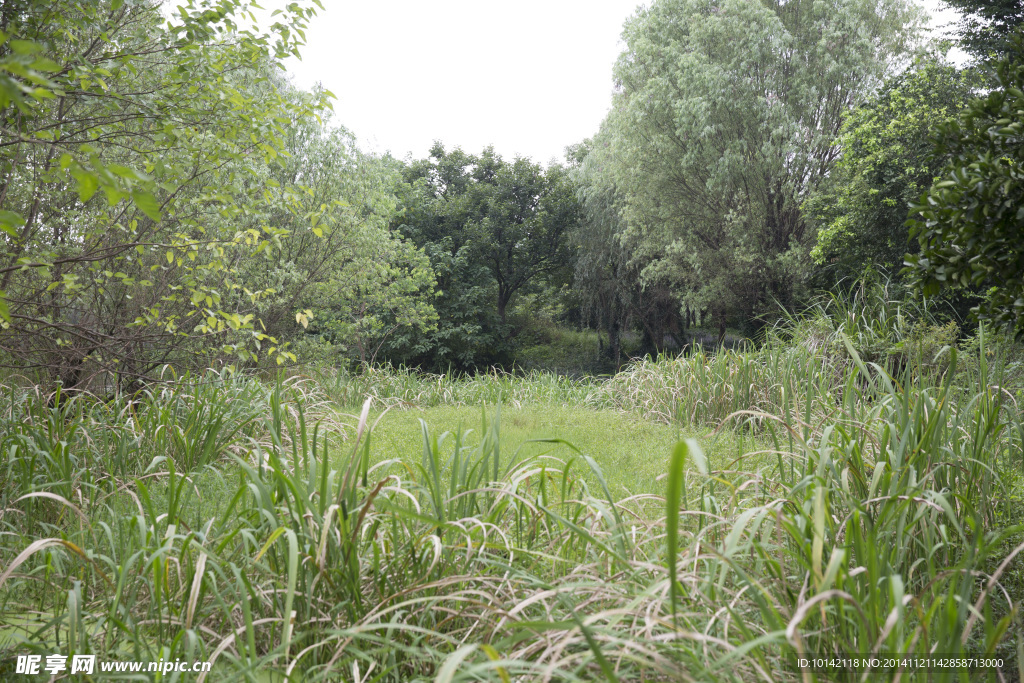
[(113, 193), (87, 183), (147, 204), (9, 221), (125, 172), (44, 64), (673, 498), (25, 47)]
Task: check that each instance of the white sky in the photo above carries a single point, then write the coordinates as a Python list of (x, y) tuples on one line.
[(529, 77)]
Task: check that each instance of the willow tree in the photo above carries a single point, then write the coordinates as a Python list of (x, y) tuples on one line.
[(725, 118), (613, 289)]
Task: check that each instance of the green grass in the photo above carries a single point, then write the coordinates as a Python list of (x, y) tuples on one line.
[(553, 348), (632, 452), (818, 503)]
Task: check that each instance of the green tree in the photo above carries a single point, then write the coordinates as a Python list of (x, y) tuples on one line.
[(387, 289), (725, 120), (609, 266), (341, 262), (970, 223), (132, 145), (986, 27), (526, 216), (887, 162), (436, 203), (493, 230)]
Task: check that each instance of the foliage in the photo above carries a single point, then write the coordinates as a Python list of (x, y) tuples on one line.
[(132, 147), (406, 387), (615, 290), (521, 236), (367, 301), (970, 224), (601, 268), (341, 273), (724, 121), (886, 163), (866, 499), (543, 344), (493, 230), (987, 27), (469, 332), (876, 320)]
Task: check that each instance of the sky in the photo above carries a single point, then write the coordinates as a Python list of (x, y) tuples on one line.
[(528, 77)]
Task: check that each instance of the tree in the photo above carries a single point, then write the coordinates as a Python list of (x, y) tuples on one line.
[(987, 26), (723, 123), (970, 223), (602, 260), (609, 266), (493, 230), (521, 235), (130, 149), (887, 162), (365, 301), (340, 261)]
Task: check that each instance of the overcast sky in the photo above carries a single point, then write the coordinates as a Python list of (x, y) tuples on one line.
[(528, 77)]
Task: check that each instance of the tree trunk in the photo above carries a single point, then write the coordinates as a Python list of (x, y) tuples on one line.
[(503, 298), (614, 342), (611, 326)]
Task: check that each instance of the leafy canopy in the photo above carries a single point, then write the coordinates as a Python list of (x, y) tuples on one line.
[(986, 27), (887, 162), (494, 230), (725, 121), (134, 165), (970, 223)]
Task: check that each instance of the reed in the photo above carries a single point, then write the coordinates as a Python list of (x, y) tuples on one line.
[(877, 512)]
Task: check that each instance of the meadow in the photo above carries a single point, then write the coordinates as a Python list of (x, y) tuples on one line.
[(852, 486)]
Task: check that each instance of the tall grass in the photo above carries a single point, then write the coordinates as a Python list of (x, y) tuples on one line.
[(881, 517), (405, 387)]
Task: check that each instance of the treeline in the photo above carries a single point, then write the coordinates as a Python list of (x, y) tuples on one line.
[(757, 153), (168, 198)]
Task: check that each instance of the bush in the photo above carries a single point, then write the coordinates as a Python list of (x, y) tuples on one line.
[(547, 346)]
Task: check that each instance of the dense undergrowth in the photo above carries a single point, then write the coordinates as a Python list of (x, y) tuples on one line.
[(243, 522)]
